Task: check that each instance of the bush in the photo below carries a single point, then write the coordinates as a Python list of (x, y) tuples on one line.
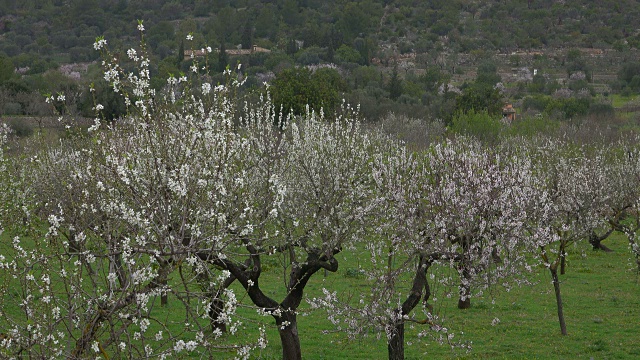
[(310, 56), (479, 97), (569, 107), (482, 125), (573, 107), (534, 125), (20, 127), (537, 102), (12, 108), (601, 109), (295, 88)]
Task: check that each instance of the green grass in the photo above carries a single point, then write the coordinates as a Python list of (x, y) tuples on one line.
[(601, 293), (618, 101)]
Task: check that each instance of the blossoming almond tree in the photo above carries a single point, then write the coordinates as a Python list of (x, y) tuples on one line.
[(479, 198), (242, 193), (5, 180), (401, 246), (568, 203), (430, 201), (623, 187), (128, 212), (325, 200)]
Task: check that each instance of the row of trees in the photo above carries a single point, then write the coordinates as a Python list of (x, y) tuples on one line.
[(191, 193), (40, 36)]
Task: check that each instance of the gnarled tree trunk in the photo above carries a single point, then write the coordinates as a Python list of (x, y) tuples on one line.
[(420, 288), (464, 302), (596, 240), (563, 257), (395, 344), (284, 313), (217, 305), (289, 338)]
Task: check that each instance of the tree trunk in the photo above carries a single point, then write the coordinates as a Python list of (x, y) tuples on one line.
[(597, 245), (464, 302), (556, 287), (419, 290), (164, 298), (465, 287), (88, 334), (215, 310), (284, 313), (217, 305), (395, 344), (563, 257), (289, 337), (596, 240), (635, 249)]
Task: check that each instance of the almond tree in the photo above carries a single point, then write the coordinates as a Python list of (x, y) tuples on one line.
[(128, 212), (4, 178), (183, 196), (623, 190), (568, 203), (322, 178), (479, 198), (431, 201), (397, 248), (299, 191)]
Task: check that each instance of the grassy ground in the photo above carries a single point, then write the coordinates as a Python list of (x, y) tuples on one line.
[(601, 294), (618, 101)]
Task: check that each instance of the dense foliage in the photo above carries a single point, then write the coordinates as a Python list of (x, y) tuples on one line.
[(427, 44)]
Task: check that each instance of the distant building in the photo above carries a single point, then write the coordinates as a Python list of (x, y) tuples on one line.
[(254, 49), (508, 113), (188, 54)]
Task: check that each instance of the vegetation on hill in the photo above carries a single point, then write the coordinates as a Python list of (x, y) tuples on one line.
[(199, 222), (419, 58)]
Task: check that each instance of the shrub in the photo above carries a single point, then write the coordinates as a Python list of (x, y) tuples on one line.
[(20, 127), (601, 109), (537, 102), (12, 108), (481, 125), (533, 125)]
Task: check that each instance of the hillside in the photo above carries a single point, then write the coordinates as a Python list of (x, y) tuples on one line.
[(427, 43)]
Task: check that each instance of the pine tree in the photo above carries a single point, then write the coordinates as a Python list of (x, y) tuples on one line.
[(292, 47), (223, 58), (395, 84), (247, 36), (180, 56)]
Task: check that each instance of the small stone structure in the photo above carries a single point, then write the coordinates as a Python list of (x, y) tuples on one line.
[(188, 54), (508, 113)]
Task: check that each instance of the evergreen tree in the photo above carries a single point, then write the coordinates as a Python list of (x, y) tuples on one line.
[(480, 97), (331, 51), (247, 36), (223, 58), (292, 47), (395, 84), (6, 69), (180, 56)]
